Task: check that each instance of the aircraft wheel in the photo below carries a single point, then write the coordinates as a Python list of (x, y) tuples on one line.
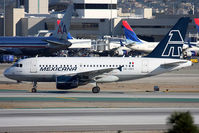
[(96, 89), (34, 90)]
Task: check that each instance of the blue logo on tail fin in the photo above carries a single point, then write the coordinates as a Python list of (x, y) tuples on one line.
[(171, 45)]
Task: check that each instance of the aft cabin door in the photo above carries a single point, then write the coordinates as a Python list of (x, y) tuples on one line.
[(145, 67), (33, 66)]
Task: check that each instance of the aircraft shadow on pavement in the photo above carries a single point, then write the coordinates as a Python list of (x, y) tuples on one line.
[(76, 92)]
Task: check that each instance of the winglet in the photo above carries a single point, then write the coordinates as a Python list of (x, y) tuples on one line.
[(171, 45), (129, 33)]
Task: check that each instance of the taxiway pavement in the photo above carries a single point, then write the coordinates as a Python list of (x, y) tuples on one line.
[(102, 119)]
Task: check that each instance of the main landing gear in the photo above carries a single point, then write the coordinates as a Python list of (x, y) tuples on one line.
[(34, 89), (96, 89)]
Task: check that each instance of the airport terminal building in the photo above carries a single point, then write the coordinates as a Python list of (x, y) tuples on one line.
[(92, 19)]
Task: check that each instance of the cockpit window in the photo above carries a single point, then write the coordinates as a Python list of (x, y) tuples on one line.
[(17, 65)]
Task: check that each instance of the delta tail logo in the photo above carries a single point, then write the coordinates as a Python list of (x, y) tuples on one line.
[(174, 45), (62, 29)]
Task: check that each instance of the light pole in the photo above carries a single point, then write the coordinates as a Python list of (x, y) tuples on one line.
[(4, 19), (111, 18)]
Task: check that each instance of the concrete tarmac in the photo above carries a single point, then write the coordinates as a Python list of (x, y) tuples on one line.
[(100, 119)]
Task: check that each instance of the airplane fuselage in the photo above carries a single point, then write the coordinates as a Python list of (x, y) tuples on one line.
[(43, 69), (30, 46)]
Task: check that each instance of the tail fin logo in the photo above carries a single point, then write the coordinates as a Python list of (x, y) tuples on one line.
[(62, 29), (174, 44)]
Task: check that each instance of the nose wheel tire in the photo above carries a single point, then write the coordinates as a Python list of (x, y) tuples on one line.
[(96, 89), (34, 90)]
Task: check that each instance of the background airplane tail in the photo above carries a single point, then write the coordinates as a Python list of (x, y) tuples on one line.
[(62, 29), (171, 45), (197, 23), (129, 33)]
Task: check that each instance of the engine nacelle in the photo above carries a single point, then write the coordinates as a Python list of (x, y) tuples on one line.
[(190, 53), (121, 52), (106, 79), (67, 82)]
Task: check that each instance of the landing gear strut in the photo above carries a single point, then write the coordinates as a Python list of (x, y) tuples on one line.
[(96, 89), (34, 89)]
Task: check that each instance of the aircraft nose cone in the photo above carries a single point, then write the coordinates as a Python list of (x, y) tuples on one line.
[(7, 73)]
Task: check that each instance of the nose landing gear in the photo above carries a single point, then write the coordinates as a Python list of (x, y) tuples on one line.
[(34, 89)]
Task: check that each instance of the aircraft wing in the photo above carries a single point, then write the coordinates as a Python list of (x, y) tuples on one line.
[(173, 64), (89, 75), (57, 43), (2, 51)]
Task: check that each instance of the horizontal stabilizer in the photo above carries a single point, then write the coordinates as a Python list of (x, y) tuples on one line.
[(173, 64)]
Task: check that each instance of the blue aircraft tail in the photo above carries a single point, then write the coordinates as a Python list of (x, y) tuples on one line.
[(171, 45), (129, 33)]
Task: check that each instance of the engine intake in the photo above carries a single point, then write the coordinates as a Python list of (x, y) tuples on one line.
[(67, 82)]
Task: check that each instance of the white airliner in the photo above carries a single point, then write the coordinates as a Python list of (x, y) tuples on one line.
[(135, 43), (71, 72)]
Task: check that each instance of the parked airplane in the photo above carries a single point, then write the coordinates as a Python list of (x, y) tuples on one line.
[(191, 50), (32, 46), (77, 43), (135, 43), (71, 72)]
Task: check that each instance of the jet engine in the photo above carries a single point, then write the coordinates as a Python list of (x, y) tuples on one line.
[(121, 52), (190, 53), (67, 82)]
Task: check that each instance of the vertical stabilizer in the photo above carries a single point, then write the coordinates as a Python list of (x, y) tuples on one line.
[(197, 23), (171, 45), (129, 33), (62, 29)]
